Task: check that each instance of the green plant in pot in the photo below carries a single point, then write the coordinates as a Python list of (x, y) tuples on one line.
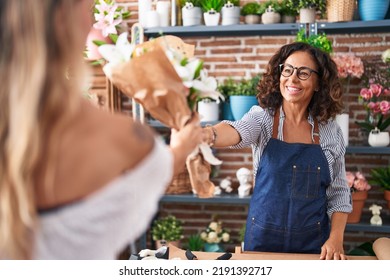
[(227, 89), (304, 6), (195, 242), (270, 11), (211, 11), (244, 97), (251, 12), (167, 229), (211, 6), (288, 13), (191, 12), (381, 178)]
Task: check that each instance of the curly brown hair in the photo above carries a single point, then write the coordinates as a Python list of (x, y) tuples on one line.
[(325, 104)]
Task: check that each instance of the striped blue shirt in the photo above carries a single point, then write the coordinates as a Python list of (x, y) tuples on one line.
[(255, 129)]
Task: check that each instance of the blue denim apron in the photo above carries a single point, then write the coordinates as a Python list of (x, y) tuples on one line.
[(288, 207)]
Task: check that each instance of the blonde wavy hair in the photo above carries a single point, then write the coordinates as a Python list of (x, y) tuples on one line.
[(39, 49)]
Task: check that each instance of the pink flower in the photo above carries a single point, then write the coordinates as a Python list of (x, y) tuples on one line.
[(366, 93), (384, 107), (376, 89), (349, 65), (357, 181)]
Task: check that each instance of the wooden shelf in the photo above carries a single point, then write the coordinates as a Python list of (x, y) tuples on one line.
[(368, 150)]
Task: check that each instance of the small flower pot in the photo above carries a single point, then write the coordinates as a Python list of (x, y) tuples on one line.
[(213, 247), (211, 19), (377, 138), (358, 200)]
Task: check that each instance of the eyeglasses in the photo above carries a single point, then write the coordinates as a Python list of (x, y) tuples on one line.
[(303, 73)]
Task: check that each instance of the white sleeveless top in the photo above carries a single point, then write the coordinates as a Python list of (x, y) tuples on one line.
[(102, 224)]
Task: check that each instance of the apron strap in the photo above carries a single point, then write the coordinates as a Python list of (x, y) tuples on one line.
[(316, 133)]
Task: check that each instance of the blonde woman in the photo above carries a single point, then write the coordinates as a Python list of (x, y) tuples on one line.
[(75, 182)]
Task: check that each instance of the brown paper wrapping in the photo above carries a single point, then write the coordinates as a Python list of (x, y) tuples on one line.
[(153, 82), (199, 171)]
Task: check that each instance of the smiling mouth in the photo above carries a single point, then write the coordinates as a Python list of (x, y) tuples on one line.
[(293, 89)]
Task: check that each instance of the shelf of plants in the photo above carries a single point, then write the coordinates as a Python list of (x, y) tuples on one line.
[(375, 26)]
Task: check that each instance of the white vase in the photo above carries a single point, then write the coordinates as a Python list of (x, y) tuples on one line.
[(191, 16), (211, 19), (376, 138), (163, 9), (230, 15), (143, 7), (307, 15), (343, 121), (208, 110)]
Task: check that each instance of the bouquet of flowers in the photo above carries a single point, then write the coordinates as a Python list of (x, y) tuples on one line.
[(357, 182), (349, 65), (214, 233), (167, 80)]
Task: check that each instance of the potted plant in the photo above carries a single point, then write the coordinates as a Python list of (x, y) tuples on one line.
[(167, 230), (195, 242), (231, 12), (191, 12), (288, 13), (211, 11), (213, 235), (270, 12), (251, 13), (359, 188), (381, 177), (307, 9), (244, 97), (227, 89)]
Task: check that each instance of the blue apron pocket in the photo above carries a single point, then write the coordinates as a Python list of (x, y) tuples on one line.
[(306, 182)]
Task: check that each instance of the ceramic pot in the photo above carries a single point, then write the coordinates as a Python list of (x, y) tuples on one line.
[(213, 247), (376, 138), (288, 19), (191, 15), (270, 17), (230, 15), (373, 9), (211, 19), (358, 200), (252, 19), (307, 15), (387, 198), (208, 110), (241, 104)]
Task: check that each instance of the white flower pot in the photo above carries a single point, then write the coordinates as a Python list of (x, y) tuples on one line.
[(191, 16), (270, 17), (307, 15), (230, 15), (343, 121), (208, 110), (376, 138), (211, 19)]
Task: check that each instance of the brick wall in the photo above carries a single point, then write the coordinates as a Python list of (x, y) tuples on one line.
[(243, 57)]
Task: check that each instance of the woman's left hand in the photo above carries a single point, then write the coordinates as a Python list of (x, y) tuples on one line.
[(332, 250)]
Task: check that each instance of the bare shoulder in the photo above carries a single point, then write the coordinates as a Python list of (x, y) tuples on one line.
[(94, 148)]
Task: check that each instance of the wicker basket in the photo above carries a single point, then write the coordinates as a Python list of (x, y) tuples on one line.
[(180, 183), (340, 10)]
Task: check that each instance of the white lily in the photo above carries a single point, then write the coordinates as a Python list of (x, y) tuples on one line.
[(207, 87), (116, 54)]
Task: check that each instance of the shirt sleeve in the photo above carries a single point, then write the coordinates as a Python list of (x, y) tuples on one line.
[(250, 127), (338, 193)]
